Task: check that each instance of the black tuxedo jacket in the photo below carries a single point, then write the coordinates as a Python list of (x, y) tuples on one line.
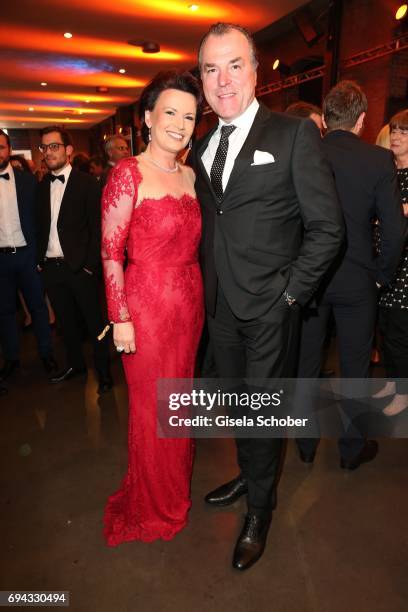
[(26, 189), (79, 221), (281, 225), (367, 185)]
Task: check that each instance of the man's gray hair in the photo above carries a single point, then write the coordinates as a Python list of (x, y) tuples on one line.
[(110, 140), (221, 28)]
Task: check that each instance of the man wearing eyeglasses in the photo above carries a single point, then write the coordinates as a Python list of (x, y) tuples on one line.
[(18, 264), (68, 219)]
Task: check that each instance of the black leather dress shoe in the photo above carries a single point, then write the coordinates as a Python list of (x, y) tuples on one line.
[(50, 365), (227, 493), (367, 454), (10, 365), (327, 373), (105, 385), (251, 542), (306, 457), (67, 374)]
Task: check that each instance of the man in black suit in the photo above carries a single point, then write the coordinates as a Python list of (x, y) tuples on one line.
[(366, 182), (18, 263), (271, 227), (68, 210)]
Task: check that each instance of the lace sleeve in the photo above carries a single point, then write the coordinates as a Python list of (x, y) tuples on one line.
[(118, 201)]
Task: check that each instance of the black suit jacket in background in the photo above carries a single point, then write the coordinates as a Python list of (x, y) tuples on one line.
[(366, 181), (79, 221), (281, 225)]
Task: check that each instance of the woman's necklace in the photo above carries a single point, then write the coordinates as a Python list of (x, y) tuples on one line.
[(155, 163)]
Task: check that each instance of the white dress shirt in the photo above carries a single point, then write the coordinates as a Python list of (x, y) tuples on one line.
[(57, 190), (11, 234), (243, 124)]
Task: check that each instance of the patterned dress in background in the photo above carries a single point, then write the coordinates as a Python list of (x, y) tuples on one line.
[(393, 313), (396, 295)]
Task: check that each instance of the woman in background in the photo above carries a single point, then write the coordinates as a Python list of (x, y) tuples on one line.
[(393, 316)]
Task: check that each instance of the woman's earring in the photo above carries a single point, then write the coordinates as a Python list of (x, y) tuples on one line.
[(190, 144), (149, 137)]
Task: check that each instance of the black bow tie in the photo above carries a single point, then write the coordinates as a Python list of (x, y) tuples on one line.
[(6, 176), (60, 177)]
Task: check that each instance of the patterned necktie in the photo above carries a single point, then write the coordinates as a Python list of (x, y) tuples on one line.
[(217, 167)]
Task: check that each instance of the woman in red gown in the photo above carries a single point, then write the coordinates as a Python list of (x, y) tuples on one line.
[(150, 209)]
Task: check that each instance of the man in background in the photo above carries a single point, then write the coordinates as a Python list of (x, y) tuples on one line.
[(68, 252), (96, 167), (18, 263), (116, 148), (366, 183), (305, 110)]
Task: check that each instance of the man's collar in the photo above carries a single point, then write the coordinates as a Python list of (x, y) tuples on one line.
[(66, 171), (245, 119), (8, 168)]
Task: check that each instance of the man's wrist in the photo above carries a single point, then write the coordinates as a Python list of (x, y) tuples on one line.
[(290, 300)]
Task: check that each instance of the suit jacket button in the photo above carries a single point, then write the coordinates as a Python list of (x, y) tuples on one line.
[(219, 211)]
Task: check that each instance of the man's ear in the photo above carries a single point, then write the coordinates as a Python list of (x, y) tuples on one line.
[(360, 122), (69, 150)]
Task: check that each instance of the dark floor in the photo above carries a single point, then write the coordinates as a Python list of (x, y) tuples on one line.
[(338, 541)]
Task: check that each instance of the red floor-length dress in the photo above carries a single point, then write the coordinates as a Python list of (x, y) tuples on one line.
[(161, 292)]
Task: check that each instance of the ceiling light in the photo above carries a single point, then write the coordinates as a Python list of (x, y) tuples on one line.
[(87, 101), (193, 7), (282, 68), (30, 108), (102, 89), (401, 12), (122, 70), (43, 84), (148, 46), (67, 35)]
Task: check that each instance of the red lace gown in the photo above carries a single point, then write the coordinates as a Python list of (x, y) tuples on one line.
[(161, 292)]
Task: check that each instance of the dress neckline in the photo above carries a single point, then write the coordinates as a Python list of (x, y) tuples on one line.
[(167, 196)]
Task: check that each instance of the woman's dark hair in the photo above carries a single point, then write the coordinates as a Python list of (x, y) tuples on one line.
[(182, 81), (22, 161), (399, 120), (80, 161)]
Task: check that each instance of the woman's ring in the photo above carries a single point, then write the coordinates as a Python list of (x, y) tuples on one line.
[(120, 349)]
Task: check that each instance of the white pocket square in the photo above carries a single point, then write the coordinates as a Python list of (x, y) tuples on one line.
[(262, 157)]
